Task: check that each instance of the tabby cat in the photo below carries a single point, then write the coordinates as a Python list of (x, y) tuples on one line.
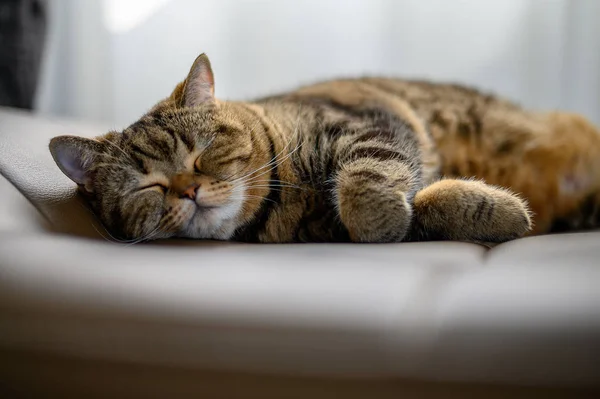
[(360, 160)]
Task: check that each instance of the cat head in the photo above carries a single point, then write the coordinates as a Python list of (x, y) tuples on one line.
[(191, 167)]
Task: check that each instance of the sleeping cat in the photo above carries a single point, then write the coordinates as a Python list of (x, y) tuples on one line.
[(359, 160)]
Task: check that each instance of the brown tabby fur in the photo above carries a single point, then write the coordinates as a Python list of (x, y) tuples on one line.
[(363, 160)]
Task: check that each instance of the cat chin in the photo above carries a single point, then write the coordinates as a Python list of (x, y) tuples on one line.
[(213, 223), (203, 232)]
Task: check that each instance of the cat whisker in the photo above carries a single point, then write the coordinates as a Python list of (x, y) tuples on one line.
[(274, 187), (245, 196), (274, 159), (259, 168), (257, 124), (278, 190), (111, 238), (272, 182), (117, 147), (275, 183), (146, 237), (277, 164), (271, 162)]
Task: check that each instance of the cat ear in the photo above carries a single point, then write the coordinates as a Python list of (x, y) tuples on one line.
[(75, 157), (199, 84)]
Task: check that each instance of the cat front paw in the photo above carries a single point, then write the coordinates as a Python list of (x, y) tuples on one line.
[(511, 218), (469, 210), (373, 215)]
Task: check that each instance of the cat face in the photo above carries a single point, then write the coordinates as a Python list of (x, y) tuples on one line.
[(184, 169)]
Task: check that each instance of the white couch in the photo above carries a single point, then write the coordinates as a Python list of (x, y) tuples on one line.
[(82, 316)]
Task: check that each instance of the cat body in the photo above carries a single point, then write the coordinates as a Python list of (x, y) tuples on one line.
[(359, 160)]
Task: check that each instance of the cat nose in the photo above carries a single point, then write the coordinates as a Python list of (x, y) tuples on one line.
[(190, 191), (185, 185)]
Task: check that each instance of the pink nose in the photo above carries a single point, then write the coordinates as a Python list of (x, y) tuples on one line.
[(190, 191)]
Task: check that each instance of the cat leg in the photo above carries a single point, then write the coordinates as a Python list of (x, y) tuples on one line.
[(569, 156), (468, 210), (373, 199), (585, 216)]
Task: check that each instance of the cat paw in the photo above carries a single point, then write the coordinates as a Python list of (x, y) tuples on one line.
[(374, 215), (469, 210), (508, 216)]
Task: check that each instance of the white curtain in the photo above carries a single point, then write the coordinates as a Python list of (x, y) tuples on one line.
[(111, 60)]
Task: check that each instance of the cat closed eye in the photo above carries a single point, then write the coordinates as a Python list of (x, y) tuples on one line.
[(154, 186)]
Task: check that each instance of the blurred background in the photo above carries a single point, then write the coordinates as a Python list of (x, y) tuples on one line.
[(110, 60)]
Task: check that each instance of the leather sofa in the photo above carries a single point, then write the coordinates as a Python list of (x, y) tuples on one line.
[(84, 316)]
